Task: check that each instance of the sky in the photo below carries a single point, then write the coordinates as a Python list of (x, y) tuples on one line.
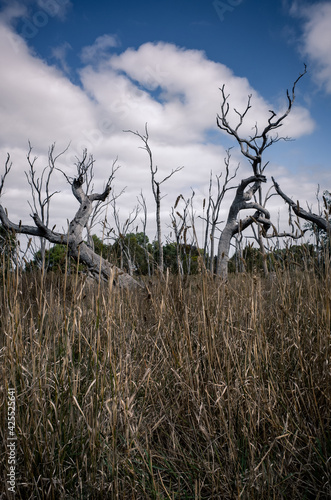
[(81, 73)]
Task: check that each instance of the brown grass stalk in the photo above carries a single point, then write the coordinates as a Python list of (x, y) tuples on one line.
[(198, 390)]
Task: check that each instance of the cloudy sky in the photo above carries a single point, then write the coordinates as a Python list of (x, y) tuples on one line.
[(82, 72)]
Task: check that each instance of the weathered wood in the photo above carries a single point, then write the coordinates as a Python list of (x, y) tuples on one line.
[(74, 240), (320, 221)]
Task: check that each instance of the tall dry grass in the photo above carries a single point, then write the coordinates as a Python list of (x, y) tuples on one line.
[(194, 391)]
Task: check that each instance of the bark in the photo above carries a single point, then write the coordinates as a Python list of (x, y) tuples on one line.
[(233, 226), (213, 209), (320, 221), (263, 252), (260, 240), (157, 197), (74, 238)]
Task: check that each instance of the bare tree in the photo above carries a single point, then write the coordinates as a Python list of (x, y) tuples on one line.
[(320, 221), (233, 226), (155, 189), (213, 209), (252, 148), (180, 225), (122, 231), (40, 189), (100, 207), (142, 203), (74, 238)]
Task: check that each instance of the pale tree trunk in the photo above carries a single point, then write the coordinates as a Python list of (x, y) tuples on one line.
[(263, 252), (213, 208), (224, 246), (261, 242), (180, 227), (158, 225), (142, 202), (156, 191), (233, 226), (98, 266)]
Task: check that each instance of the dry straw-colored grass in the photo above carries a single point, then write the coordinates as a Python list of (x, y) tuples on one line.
[(195, 391)]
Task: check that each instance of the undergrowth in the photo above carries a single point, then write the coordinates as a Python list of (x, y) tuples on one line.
[(194, 389)]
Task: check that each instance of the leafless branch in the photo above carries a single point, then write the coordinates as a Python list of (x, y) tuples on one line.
[(253, 147), (8, 166), (321, 222), (155, 188)]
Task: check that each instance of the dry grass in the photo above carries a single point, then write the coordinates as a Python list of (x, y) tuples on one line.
[(197, 391)]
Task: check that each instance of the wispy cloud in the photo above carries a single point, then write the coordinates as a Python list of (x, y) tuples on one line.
[(315, 42), (55, 8), (100, 48), (12, 10), (41, 10), (60, 54)]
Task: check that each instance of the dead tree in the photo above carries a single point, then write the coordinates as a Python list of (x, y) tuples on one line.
[(320, 221), (40, 189), (74, 238), (233, 226), (213, 209), (100, 207), (121, 234), (252, 148), (180, 226), (143, 205), (155, 189)]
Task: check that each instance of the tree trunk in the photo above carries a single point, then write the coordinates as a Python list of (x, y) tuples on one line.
[(212, 249), (232, 226), (74, 238), (263, 253), (158, 226), (98, 266), (224, 248)]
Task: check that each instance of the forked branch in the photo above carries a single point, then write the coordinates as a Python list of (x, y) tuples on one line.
[(321, 222), (254, 146)]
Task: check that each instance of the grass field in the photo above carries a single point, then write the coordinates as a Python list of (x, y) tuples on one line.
[(197, 390)]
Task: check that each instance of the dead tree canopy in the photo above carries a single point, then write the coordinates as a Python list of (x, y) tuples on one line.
[(252, 148), (156, 189), (74, 238)]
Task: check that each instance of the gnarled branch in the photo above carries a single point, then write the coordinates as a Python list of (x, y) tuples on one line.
[(300, 212)]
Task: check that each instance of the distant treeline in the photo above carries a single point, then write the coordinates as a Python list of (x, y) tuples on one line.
[(136, 255)]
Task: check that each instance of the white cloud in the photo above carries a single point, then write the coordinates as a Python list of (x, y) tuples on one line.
[(11, 11), (60, 53), (34, 14), (175, 90), (99, 49), (315, 42), (37, 101)]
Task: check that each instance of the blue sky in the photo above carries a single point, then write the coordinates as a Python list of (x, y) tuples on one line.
[(82, 71)]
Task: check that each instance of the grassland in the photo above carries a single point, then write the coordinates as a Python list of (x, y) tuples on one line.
[(196, 390)]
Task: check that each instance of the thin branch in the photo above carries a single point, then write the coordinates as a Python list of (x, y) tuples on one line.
[(253, 147), (8, 166)]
